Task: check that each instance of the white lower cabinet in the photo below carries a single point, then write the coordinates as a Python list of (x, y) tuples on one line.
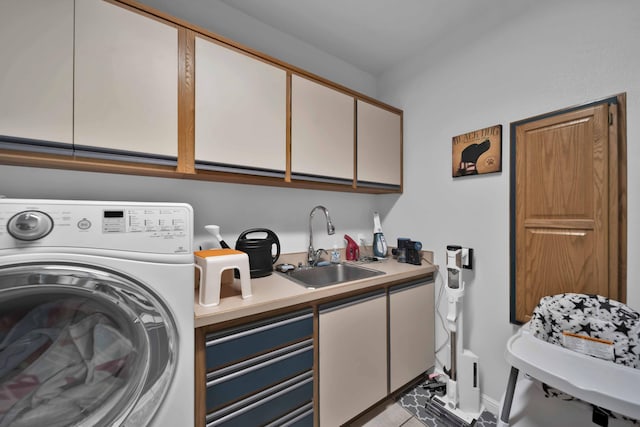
[(352, 356), (411, 332)]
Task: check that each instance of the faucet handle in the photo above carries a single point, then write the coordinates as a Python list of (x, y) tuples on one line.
[(316, 256)]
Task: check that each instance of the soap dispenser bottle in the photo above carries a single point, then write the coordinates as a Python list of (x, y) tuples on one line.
[(335, 255), (379, 242)]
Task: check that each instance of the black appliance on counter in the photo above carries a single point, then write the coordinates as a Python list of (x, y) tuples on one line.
[(260, 251)]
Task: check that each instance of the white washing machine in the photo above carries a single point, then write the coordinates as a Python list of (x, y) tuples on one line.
[(96, 314)]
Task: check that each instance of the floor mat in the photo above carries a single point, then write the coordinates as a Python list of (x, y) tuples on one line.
[(414, 401)]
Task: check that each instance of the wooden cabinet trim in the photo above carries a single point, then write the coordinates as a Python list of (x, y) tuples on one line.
[(287, 173), (186, 101), (200, 369)]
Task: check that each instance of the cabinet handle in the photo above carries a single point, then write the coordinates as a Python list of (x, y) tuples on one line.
[(293, 417), (259, 359), (226, 338), (353, 302), (410, 285), (258, 397), (258, 366), (263, 401)]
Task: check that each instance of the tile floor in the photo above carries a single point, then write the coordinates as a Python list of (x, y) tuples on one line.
[(388, 414), (409, 411)]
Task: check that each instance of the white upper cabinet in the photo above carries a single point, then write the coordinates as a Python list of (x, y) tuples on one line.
[(379, 146), (36, 70), (322, 131), (126, 81), (240, 111)]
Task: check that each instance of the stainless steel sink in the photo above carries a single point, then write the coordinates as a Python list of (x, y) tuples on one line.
[(317, 277)]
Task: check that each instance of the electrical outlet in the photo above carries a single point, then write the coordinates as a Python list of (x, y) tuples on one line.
[(362, 239)]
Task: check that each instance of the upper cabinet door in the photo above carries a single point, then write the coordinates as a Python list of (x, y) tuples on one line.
[(379, 146), (322, 131), (126, 82), (36, 70), (241, 111)]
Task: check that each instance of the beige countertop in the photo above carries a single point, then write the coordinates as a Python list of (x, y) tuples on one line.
[(276, 291)]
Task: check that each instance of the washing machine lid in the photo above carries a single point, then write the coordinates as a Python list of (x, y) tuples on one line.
[(80, 345)]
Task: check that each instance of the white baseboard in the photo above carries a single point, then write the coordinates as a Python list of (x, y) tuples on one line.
[(490, 404)]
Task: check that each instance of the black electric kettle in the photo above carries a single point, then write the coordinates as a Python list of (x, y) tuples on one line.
[(261, 258)]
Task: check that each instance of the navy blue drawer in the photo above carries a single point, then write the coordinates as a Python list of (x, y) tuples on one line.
[(241, 343), (237, 381), (301, 417), (269, 406), (305, 420)]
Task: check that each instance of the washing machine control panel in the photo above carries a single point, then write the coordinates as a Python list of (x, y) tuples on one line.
[(137, 227)]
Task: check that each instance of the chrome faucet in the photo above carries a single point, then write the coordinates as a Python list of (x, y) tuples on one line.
[(312, 255)]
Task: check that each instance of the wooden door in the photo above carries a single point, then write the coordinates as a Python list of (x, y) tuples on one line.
[(561, 225)]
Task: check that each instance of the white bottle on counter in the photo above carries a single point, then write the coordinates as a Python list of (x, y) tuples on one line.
[(335, 255)]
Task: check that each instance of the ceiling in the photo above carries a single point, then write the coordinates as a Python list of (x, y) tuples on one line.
[(374, 35)]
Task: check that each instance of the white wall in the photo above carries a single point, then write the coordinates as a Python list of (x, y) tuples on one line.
[(234, 207), (226, 21), (556, 55)]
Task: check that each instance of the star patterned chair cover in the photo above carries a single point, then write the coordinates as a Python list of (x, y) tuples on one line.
[(589, 315)]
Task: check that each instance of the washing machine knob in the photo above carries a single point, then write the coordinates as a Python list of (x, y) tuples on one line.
[(30, 225)]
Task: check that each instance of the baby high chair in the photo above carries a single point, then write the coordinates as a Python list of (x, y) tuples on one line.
[(587, 346)]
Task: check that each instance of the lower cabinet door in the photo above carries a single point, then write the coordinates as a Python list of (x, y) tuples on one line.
[(411, 332), (352, 357)]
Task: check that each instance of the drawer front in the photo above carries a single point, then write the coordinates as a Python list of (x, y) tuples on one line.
[(241, 343), (237, 381), (269, 406), (301, 417), (306, 420)]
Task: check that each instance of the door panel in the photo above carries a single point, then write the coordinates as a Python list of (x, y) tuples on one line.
[(559, 163), (352, 358), (563, 263), (561, 209), (240, 110), (379, 158), (322, 131), (36, 71), (125, 82)]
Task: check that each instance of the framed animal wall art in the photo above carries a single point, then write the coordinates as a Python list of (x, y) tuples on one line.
[(477, 153)]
